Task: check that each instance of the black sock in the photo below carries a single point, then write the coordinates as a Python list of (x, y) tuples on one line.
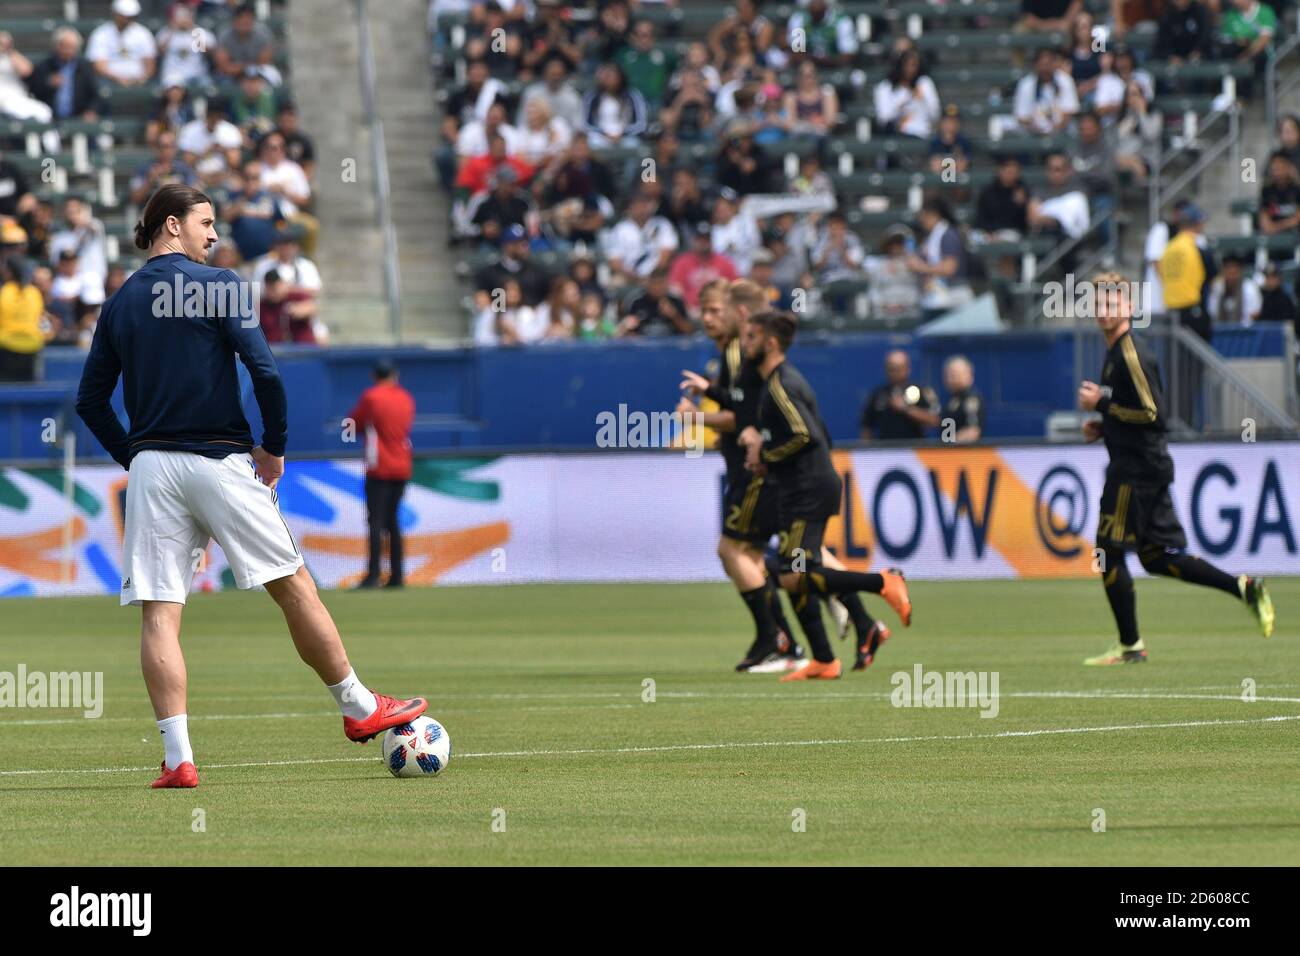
[(808, 608), (862, 621), (1185, 567), (778, 612), (1119, 591), (831, 581), (760, 607)]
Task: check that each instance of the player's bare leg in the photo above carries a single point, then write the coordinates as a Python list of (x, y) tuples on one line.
[(163, 667), (365, 713)]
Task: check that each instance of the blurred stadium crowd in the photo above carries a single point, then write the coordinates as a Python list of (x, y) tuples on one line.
[(869, 164), (98, 112)]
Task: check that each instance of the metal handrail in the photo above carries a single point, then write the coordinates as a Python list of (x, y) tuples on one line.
[(1246, 389), (1275, 89), (379, 159), (1157, 196)]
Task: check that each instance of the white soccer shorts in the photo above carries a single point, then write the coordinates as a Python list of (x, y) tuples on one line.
[(177, 501)]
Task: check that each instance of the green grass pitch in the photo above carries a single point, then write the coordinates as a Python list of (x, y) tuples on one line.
[(558, 759)]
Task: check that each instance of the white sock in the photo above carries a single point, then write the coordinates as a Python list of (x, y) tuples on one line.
[(353, 698), (176, 741)]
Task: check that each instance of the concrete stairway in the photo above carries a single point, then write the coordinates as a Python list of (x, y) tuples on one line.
[(430, 308), (327, 89)]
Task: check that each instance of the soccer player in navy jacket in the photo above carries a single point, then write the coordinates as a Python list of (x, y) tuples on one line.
[(172, 333)]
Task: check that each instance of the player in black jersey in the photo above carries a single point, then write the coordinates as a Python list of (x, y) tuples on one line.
[(749, 508), (1137, 513), (749, 505), (789, 443)]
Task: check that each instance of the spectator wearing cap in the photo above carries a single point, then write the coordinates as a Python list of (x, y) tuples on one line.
[(15, 71), (287, 313), (614, 114), (502, 206), (640, 243), (21, 308), (246, 43), (557, 91), (65, 79), (165, 167), (254, 215), (515, 264), (287, 259), (385, 414), (655, 311), (699, 265), (893, 294), (121, 50), (84, 234), (950, 150), (1234, 297), (1186, 270), (211, 145), (285, 180), (298, 146), (1277, 303), (184, 49)]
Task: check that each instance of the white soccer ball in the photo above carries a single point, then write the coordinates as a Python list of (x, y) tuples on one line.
[(420, 748)]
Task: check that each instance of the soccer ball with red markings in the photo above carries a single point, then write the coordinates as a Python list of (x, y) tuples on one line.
[(420, 748)]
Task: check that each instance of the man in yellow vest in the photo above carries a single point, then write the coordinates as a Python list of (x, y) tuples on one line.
[(1186, 269), (21, 308)]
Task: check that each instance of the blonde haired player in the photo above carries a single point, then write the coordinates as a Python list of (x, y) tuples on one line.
[(1137, 512)]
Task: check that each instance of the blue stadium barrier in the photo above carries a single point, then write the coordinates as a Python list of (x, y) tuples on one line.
[(549, 396)]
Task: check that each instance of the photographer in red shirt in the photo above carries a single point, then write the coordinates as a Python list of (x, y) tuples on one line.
[(385, 413)]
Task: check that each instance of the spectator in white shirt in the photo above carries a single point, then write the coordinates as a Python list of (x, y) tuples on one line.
[(184, 49), (83, 234), (122, 50), (640, 243), (516, 324), (735, 232), (211, 145), (1234, 297), (74, 291), (543, 138), (285, 180), (1046, 100), (474, 135), (286, 259), (907, 102)]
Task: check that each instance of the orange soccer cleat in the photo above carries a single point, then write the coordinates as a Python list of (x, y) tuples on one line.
[(895, 594), (816, 670)]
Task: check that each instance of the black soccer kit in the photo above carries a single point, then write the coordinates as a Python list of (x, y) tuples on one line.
[(1137, 511), (796, 451), (749, 503)]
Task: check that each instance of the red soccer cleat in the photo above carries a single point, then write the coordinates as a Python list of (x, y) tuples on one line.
[(186, 775), (389, 713)]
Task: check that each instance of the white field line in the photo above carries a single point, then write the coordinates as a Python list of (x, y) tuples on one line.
[(687, 696), (734, 745)]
